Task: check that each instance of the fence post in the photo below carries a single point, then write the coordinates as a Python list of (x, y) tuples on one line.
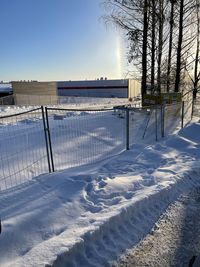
[(163, 120), (182, 114), (49, 139), (127, 128), (46, 140), (156, 123)]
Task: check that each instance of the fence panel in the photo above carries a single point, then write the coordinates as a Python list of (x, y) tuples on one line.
[(172, 118), (188, 106), (76, 137), (196, 107), (7, 100), (23, 148), (80, 137), (145, 125)]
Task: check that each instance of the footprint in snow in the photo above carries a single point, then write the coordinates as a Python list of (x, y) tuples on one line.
[(102, 184), (129, 195), (150, 171), (94, 209)]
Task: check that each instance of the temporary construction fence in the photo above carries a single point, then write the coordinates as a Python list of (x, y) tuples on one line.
[(196, 107), (23, 148), (36, 142), (7, 100), (38, 100), (78, 137), (22, 99), (48, 139)]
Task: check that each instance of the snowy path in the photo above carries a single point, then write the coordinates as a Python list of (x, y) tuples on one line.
[(175, 239)]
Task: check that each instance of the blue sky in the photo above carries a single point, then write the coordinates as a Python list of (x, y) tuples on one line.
[(57, 40)]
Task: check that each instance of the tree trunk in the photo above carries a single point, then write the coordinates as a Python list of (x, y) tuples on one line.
[(160, 45), (153, 46), (196, 78), (144, 50), (179, 49), (170, 44)]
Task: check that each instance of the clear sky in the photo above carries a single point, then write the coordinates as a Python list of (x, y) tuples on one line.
[(57, 40)]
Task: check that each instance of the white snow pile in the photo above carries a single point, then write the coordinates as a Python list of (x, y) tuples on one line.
[(87, 216)]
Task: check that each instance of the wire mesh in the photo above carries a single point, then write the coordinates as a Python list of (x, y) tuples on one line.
[(72, 101), (196, 107), (172, 118), (77, 137), (81, 137), (23, 150), (144, 125), (154, 122), (188, 106), (7, 100), (35, 100)]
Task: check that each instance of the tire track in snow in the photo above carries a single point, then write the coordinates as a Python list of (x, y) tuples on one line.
[(125, 229), (175, 240)]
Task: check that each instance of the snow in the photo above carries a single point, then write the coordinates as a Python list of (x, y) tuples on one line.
[(87, 215), (173, 241)]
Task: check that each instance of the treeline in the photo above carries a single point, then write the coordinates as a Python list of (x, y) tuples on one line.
[(163, 40)]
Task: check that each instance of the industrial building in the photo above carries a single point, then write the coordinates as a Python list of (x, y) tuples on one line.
[(34, 92), (124, 88)]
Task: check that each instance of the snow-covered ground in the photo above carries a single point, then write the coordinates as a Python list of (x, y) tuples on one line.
[(88, 215), (175, 239), (73, 102)]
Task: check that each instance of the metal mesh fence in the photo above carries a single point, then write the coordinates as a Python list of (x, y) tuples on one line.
[(196, 106), (73, 101), (32, 100), (172, 118), (187, 112), (23, 150), (7, 100), (84, 136), (145, 124), (34, 142), (154, 122), (142, 125)]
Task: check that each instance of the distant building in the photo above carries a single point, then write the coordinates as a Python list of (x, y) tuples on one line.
[(123, 88), (34, 93)]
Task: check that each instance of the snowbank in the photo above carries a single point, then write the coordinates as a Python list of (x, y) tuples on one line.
[(88, 215)]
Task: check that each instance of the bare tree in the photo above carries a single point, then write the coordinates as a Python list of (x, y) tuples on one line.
[(171, 22), (197, 60), (160, 42), (144, 48), (161, 37), (179, 49), (153, 43)]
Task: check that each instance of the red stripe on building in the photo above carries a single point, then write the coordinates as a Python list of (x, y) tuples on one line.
[(92, 87)]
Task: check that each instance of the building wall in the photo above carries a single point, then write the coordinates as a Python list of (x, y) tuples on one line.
[(43, 93), (134, 88), (35, 93), (94, 88)]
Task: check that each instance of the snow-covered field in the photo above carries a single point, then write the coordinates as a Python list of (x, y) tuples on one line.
[(88, 215)]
